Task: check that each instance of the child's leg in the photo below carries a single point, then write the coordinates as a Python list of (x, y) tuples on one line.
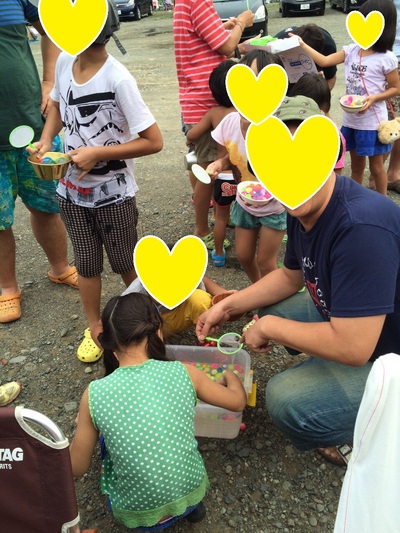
[(358, 163), (246, 245), (90, 290), (128, 277), (378, 173), (88, 250), (117, 225), (221, 222), (268, 248)]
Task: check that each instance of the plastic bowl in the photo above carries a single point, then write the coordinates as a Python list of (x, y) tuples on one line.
[(50, 172), (350, 108), (242, 192)]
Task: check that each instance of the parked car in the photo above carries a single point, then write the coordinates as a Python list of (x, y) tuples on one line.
[(134, 8), (296, 7), (227, 9), (347, 5)]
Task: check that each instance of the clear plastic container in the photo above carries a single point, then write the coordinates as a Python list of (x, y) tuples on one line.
[(213, 421)]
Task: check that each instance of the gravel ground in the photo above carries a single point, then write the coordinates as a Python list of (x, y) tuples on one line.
[(259, 482)]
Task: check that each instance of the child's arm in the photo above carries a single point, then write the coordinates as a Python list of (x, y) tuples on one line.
[(200, 128), (227, 392), (393, 89), (150, 141), (321, 60), (52, 127), (85, 439)]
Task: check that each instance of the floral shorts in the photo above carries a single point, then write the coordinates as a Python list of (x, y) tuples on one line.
[(17, 178)]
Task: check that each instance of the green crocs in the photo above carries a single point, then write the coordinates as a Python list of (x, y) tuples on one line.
[(209, 241)]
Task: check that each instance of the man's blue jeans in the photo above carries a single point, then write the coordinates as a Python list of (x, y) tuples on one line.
[(314, 403)]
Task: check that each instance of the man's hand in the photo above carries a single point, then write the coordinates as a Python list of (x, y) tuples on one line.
[(246, 18), (255, 336), (211, 321)]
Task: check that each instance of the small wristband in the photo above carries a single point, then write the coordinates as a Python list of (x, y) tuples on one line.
[(239, 23)]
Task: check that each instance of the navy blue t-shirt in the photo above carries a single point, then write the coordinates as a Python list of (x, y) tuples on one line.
[(350, 259)]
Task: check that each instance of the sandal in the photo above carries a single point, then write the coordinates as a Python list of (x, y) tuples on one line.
[(218, 260), (209, 241), (10, 307), (9, 392), (336, 455), (88, 351), (69, 277)]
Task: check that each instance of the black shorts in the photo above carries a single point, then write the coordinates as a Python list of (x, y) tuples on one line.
[(112, 226), (224, 190)]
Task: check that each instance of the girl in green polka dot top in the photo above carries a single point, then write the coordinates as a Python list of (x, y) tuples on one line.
[(144, 410)]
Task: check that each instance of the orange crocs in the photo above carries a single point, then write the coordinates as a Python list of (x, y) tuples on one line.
[(10, 307), (69, 277)]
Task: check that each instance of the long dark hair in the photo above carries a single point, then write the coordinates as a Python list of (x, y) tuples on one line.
[(129, 320), (389, 12)]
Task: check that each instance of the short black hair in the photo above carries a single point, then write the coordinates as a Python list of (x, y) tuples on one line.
[(311, 35), (263, 59), (217, 83), (314, 86), (389, 12)]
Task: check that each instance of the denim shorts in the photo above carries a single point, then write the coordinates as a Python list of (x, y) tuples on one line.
[(243, 219), (364, 142), (17, 178)]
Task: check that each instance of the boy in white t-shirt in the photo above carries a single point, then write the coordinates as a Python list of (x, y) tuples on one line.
[(98, 104)]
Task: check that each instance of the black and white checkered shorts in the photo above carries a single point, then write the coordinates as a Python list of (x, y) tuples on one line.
[(112, 226)]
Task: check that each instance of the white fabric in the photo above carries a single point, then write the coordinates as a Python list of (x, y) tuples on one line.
[(107, 110), (370, 497)]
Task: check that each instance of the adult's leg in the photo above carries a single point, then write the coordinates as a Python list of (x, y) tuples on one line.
[(298, 307), (8, 280), (315, 403), (50, 233)]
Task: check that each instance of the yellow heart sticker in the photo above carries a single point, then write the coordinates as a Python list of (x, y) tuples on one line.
[(365, 31), (256, 98), (294, 168), (170, 277), (73, 26)]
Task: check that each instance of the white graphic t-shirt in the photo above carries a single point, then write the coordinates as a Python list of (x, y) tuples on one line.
[(105, 111)]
